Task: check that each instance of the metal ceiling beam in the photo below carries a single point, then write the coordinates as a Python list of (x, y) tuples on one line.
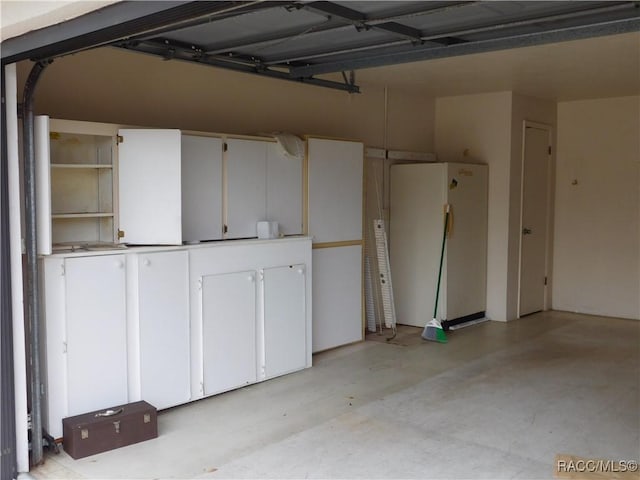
[(420, 53), (330, 26), (360, 21), (170, 50), (452, 37), (252, 6)]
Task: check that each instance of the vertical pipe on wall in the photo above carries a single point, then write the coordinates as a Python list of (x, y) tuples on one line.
[(32, 294)]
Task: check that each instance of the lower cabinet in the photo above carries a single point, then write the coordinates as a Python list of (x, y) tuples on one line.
[(250, 312), (285, 329), (337, 291), (84, 308), (228, 331), (172, 325), (96, 332), (163, 329)]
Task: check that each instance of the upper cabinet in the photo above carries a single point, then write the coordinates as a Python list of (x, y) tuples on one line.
[(241, 180), (246, 165), (150, 187), (80, 159), (284, 190), (99, 185), (201, 188), (335, 190)]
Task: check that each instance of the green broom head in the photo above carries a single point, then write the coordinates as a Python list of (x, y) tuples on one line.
[(434, 332)]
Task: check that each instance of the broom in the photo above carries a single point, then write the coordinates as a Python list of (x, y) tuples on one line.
[(433, 329)]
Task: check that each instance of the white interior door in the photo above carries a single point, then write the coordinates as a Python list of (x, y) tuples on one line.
[(163, 289), (285, 339), (246, 167), (535, 188), (229, 331), (96, 333), (150, 209), (201, 188)]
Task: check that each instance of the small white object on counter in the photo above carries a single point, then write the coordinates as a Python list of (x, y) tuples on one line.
[(267, 230)]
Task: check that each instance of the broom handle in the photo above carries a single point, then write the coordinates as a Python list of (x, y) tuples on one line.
[(444, 241)]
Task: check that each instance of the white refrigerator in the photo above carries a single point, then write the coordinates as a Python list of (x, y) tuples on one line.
[(419, 194)]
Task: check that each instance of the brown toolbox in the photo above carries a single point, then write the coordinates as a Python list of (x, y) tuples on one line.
[(103, 430)]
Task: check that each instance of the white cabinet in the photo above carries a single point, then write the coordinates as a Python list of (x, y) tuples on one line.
[(163, 328), (100, 185), (172, 324), (284, 190), (335, 190), (96, 332), (201, 188), (150, 187), (86, 335), (250, 311), (335, 205), (337, 294), (78, 198), (246, 166), (285, 328), (261, 185), (229, 331)]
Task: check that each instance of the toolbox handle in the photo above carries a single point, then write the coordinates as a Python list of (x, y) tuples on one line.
[(109, 413)]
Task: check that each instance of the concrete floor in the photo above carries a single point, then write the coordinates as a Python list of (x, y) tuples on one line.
[(497, 401)]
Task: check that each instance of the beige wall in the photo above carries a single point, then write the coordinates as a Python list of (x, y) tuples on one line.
[(480, 126), (111, 85), (597, 238), (538, 111)]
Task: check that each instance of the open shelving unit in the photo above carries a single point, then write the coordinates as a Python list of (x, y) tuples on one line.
[(82, 187)]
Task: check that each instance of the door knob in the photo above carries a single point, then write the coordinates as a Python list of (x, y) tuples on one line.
[(526, 231)]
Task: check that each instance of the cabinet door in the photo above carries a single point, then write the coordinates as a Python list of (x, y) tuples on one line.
[(96, 332), (284, 191), (337, 296), (229, 331), (201, 188), (335, 190), (163, 289), (149, 187), (285, 332), (246, 164)]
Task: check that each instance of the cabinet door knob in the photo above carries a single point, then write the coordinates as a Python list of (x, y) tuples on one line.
[(251, 278), (119, 264), (146, 262), (301, 270)]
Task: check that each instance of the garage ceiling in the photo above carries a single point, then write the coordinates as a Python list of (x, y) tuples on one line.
[(304, 41)]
